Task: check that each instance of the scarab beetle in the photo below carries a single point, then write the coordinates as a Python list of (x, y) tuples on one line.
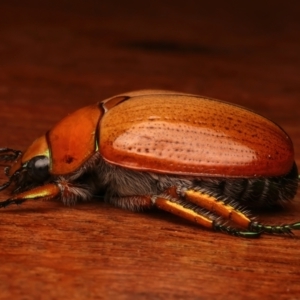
[(199, 158)]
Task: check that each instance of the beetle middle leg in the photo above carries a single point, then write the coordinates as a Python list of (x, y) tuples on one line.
[(197, 213), (177, 207)]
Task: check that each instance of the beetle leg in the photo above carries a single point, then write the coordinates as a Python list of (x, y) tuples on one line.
[(178, 207), (193, 213), (13, 178), (218, 207), (233, 214), (7, 154), (45, 192), (5, 185), (274, 229)]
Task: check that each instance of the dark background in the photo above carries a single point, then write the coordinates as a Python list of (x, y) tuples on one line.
[(57, 56)]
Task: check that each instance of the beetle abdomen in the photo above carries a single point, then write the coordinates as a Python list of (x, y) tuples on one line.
[(247, 192), (185, 134)]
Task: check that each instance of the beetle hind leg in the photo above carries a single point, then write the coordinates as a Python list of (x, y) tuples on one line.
[(212, 204), (198, 214), (235, 215), (178, 207)]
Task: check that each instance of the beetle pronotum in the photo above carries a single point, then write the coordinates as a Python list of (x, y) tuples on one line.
[(199, 158)]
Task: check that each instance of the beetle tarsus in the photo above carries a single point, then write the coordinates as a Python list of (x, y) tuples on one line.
[(295, 226), (275, 229), (8, 202), (235, 232)]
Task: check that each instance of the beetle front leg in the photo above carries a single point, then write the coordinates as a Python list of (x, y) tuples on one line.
[(45, 192)]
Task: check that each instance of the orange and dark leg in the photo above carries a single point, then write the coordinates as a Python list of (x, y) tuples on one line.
[(208, 211), (195, 207), (45, 192), (61, 189), (205, 213)]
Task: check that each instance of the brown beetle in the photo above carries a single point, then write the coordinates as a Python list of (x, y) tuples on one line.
[(199, 158)]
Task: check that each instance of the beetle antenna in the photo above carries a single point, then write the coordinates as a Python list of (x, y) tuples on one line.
[(7, 154)]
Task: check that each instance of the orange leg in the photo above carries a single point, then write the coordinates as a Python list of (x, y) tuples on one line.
[(194, 213), (232, 214), (47, 191), (226, 211), (184, 212), (209, 212)]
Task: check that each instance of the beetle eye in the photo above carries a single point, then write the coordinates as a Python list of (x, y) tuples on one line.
[(38, 168)]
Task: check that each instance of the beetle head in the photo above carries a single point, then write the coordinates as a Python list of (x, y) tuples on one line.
[(28, 169)]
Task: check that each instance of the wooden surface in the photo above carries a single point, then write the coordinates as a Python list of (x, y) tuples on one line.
[(60, 55)]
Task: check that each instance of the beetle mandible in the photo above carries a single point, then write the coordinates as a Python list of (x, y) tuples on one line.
[(199, 158)]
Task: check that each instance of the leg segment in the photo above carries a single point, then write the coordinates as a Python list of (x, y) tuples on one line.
[(67, 192), (275, 229), (47, 191), (232, 214), (197, 214), (206, 210), (179, 209), (220, 208)]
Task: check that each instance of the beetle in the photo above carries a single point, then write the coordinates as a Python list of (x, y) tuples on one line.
[(199, 158)]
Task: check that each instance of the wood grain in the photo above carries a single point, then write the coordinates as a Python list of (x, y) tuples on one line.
[(61, 55)]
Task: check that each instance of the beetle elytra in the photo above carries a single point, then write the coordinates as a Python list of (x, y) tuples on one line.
[(202, 159)]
